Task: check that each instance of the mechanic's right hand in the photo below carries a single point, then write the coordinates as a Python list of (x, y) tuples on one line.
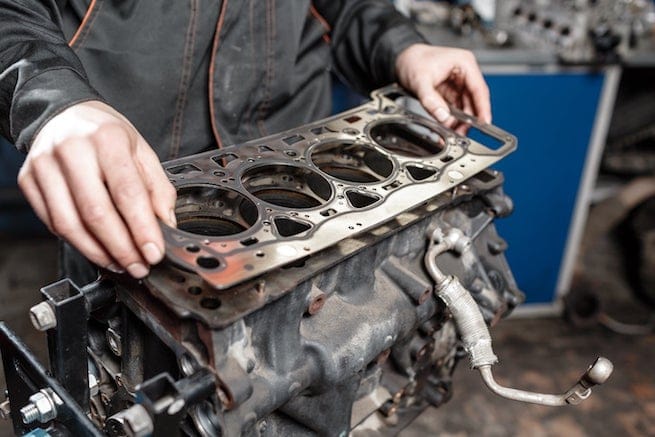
[(95, 182)]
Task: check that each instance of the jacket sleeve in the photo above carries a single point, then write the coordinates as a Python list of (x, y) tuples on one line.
[(40, 75), (366, 37)]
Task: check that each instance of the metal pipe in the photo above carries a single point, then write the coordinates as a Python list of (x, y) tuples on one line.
[(475, 334)]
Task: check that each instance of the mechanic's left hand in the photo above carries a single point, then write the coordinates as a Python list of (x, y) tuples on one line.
[(440, 76)]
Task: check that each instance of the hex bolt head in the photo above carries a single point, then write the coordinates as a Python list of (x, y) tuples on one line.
[(43, 316), (115, 342), (133, 422), (42, 407)]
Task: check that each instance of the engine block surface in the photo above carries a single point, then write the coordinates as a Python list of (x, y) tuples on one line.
[(295, 297)]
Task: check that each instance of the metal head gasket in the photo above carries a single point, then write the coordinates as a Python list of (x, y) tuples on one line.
[(250, 208)]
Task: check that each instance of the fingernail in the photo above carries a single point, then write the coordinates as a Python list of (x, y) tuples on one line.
[(442, 114), (172, 217), (137, 270), (115, 268), (152, 253)]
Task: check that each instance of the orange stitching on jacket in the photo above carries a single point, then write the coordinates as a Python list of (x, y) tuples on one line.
[(82, 26), (189, 47), (270, 71), (324, 23), (212, 60)]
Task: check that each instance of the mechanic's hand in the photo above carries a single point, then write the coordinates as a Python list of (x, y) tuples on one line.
[(94, 181), (439, 76)]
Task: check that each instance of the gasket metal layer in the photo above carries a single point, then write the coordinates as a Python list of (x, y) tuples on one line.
[(251, 208)]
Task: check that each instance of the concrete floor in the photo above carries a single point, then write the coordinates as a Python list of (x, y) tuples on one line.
[(541, 354)]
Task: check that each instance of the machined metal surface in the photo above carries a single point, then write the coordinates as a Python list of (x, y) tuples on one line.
[(255, 207)]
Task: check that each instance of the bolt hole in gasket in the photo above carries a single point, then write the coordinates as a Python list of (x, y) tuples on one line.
[(407, 138), (352, 162), (194, 290), (287, 186), (213, 212), (210, 303), (208, 262)]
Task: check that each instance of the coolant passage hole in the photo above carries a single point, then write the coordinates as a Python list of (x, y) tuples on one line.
[(407, 139), (212, 211), (352, 162), (287, 186)]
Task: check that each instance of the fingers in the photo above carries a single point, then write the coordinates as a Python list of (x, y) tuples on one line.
[(432, 101), (477, 88), (48, 193), (95, 182), (95, 205), (440, 76), (128, 192), (462, 128), (161, 191)]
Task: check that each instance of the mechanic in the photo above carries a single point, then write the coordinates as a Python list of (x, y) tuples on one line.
[(97, 92)]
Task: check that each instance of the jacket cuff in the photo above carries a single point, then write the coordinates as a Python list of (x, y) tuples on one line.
[(41, 98), (392, 43)]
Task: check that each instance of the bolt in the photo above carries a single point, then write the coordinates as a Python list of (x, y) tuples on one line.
[(389, 408), (94, 386), (29, 413), (176, 407), (186, 365), (114, 341), (43, 316), (133, 422), (42, 407), (5, 410), (497, 246)]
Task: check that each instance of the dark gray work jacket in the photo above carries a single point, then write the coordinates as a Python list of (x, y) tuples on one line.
[(191, 74)]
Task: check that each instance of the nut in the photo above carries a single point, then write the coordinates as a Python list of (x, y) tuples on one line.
[(42, 407), (43, 316)]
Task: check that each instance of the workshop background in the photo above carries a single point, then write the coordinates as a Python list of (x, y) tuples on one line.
[(575, 85)]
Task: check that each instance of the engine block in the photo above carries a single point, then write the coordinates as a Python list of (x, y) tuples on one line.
[(296, 297)]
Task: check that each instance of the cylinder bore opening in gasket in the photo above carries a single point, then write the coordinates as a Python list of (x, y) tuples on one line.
[(410, 139), (213, 212), (287, 186), (352, 162)]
